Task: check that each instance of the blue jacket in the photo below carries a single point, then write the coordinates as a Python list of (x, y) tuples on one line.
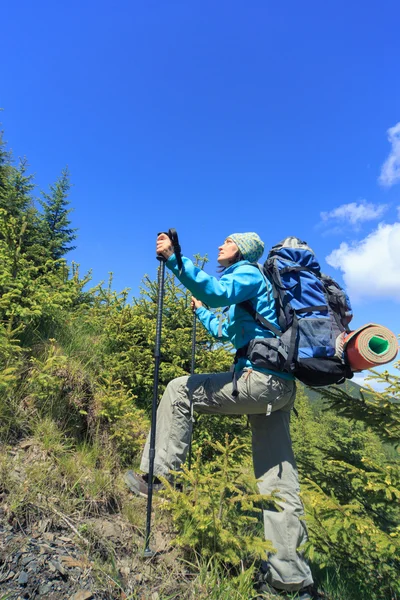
[(239, 282)]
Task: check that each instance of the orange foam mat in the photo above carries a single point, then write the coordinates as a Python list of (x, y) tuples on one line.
[(370, 346)]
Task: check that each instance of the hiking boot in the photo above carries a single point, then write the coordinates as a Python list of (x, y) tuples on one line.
[(303, 594), (138, 484)]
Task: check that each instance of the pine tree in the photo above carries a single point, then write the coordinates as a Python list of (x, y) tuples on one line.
[(15, 184), (351, 487), (380, 411), (18, 201), (19, 216), (5, 160), (58, 235)]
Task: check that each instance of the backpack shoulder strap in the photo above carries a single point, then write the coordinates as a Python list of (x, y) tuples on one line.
[(248, 307)]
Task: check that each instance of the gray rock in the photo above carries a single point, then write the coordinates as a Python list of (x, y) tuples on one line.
[(23, 578), (44, 589), (33, 566), (59, 567)]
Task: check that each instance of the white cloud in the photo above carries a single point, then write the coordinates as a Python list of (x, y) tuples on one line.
[(354, 213), (371, 267), (390, 172)]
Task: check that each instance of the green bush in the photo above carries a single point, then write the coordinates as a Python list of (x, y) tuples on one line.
[(218, 515)]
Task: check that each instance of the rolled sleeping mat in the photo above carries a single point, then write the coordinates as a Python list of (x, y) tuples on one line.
[(369, 346)]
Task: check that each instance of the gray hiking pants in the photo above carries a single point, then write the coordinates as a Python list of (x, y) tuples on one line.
[(268, 401)]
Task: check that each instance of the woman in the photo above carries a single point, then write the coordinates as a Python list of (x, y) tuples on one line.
[(267, 397)]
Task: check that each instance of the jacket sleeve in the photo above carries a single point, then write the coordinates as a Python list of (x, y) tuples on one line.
[(214, 325), (231, 288)]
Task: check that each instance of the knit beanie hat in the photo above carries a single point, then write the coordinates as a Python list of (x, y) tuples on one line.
[(251, 247)]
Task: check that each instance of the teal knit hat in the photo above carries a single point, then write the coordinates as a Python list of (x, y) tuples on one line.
[(251, 247)]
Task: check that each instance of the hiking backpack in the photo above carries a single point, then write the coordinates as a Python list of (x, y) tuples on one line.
[(313, 314)]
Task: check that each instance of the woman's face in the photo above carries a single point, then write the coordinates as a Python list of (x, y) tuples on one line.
[(227, 253)]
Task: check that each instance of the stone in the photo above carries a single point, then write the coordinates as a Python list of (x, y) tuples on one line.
[(23, 578), (107, 529), (81, 595), (44, 589), (59, 567), (26, 444), (33, 566)]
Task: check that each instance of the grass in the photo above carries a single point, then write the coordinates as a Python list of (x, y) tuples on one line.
[(14, 421), (216, 583), (339, 585), (51, 439)]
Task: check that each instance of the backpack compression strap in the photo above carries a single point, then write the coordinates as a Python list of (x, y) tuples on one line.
[(306, 309)]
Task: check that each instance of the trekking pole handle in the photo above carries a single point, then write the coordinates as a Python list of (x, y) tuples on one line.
[(173, 236)]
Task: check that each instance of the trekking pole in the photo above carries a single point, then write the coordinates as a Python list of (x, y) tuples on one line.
[(148, 553), (191, 397), (193, 344)]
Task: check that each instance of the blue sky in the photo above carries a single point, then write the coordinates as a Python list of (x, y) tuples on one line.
[(215, 118)]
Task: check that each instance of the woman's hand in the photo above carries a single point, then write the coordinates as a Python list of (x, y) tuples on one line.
[(195, 304), (164, 246)]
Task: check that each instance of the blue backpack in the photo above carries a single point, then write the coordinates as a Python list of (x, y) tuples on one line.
[(313, 314)]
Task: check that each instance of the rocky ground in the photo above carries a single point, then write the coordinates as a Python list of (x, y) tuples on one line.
[(42, 564), (44, 561), (50, 552)]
